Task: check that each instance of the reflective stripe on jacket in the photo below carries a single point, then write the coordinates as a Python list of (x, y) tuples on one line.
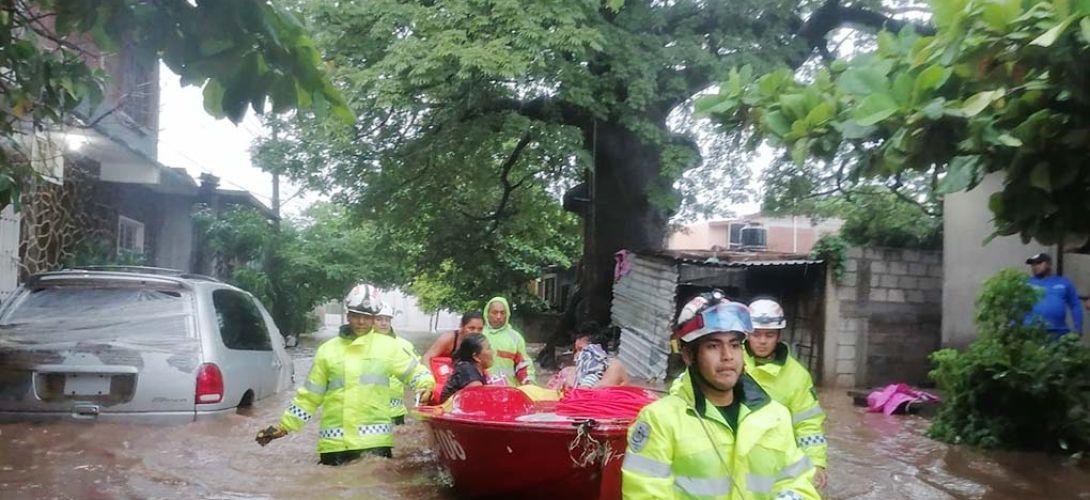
[(350, 382), (790, 384), (682, 447)]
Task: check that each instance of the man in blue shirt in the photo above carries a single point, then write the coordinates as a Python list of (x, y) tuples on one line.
[(1059, 295)]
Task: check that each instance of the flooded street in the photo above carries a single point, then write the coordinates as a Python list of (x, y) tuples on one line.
[(872, 456)]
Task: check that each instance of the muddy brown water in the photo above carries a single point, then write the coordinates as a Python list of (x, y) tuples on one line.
[(871, 456)]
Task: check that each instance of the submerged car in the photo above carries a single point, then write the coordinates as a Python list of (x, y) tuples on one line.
[(135, 345)]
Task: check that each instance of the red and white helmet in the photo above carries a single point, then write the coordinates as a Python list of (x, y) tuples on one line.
[(710, 313), (363, 299), (767, 315)]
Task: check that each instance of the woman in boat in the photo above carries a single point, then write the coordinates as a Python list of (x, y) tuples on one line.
[(444, 346), (593, 367), (471, 363)]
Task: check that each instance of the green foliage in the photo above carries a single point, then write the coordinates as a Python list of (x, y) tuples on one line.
[(314, 258), (834, 251), (100, 252), (1012, 388), (245, 53), (445, 93), (1001, 87)]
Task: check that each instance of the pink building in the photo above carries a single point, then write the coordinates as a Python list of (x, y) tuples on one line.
[(795, 235)]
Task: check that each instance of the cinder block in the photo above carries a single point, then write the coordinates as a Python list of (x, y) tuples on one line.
[(845, 380), (888, 281), (917, 269), (878, 267), (898, 268), (850, 278), (896, 296), (845, 366), (855, 253), (851, 265), (908, 282), (873, 253), (911, 255), (846, 293), (879, 294), (932, 296), (914, 296), (930, 257), (845, 352), (935, 270), (875, 280)]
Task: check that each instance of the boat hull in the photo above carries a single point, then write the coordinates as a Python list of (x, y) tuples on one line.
[(531, 460)]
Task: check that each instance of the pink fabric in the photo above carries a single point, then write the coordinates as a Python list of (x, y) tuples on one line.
[(624, 264), (888, 399)]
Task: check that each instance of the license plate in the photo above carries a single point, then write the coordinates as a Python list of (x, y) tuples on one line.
[(86, 384)]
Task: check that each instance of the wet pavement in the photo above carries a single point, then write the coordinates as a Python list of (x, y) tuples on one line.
[(871, 456)]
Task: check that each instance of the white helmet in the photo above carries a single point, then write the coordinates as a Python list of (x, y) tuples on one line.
[(767, 314), (710, 313), (363, 299), (386, 310)]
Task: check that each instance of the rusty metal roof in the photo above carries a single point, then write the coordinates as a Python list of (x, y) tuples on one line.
[(713, 258)]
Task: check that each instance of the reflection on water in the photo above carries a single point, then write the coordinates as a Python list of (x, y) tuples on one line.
[(871, 455)]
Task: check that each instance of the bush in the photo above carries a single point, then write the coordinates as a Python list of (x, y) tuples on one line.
[(1013, 388)]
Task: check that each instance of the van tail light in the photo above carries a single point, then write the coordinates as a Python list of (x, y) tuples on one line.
[(209, 384)]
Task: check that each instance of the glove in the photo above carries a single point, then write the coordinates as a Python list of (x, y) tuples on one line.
[(266, 435), (423, 398)]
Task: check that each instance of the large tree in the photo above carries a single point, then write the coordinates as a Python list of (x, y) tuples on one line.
[(510, 100), (245, 53)]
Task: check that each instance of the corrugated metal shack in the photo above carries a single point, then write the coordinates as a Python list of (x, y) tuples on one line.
[(648, 296)]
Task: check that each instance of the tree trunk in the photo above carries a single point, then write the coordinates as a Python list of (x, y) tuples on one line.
[(620, 216)]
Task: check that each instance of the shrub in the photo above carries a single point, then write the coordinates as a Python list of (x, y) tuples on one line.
[(1013, 388)]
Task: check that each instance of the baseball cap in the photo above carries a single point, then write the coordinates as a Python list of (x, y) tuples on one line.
[(1039, 258)]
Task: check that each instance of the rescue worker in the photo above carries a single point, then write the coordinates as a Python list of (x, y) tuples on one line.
[(350, 382), (512, 362), (769, 361), (720, 435), (397, 390)]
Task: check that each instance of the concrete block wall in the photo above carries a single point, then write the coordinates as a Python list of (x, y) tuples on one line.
[(883, 318)]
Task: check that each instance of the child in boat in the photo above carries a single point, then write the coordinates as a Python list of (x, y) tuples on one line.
[(472, 360)]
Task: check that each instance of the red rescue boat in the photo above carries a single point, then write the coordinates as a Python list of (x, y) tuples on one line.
[(498, 443)]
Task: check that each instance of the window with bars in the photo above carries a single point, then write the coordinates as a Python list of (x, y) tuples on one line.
[(138, 90), (130, 236)]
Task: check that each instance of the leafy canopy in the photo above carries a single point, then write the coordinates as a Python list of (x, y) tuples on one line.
[(245, 54), (474, 117), (1001, 87)]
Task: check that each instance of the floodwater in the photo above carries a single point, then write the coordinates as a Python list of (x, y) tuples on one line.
[(871, 456)]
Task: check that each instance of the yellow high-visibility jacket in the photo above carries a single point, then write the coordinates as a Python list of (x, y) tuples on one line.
[(397, 389), (790, 384), (350, 382), (681, 447)]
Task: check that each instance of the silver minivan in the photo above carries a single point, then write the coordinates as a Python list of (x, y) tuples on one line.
[(135, 345)]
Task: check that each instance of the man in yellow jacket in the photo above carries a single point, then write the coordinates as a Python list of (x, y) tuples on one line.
[(721, 435), (350, 382), (511, 362), (383, 325), (770, 362)]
